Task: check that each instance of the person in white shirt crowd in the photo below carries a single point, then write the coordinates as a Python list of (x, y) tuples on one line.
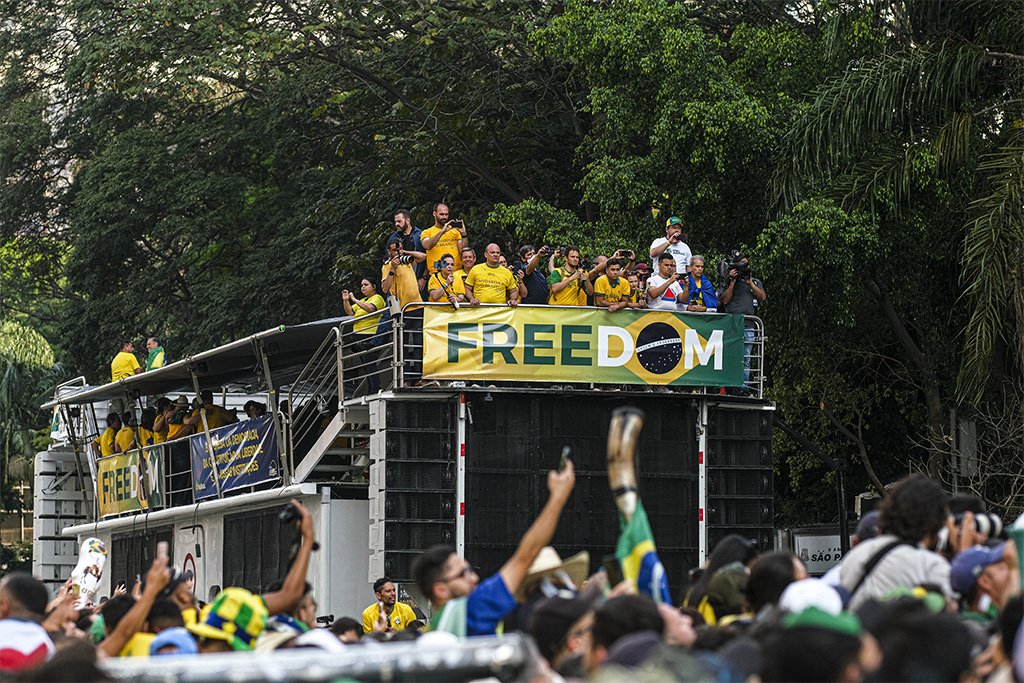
[(674, 243), (663, 288)]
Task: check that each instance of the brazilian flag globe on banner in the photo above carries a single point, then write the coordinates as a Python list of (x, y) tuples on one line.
[(639, 557)]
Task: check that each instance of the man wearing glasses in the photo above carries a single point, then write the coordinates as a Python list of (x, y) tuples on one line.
[(466, 606)]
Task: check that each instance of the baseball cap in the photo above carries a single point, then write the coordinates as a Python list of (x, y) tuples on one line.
[(813, 617), (805, 593), (673, 220), (968, 565), (177, 637), (867, 527), (236, 616)]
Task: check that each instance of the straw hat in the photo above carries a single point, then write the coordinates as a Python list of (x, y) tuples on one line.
[(549, 562)]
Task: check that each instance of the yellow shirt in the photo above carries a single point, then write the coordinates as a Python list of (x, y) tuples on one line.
[(106, 442), (124, 365), (491, 284), (160, 437), (404, 286), (620, 292), (401, 616), (138, 645), (173, 429), (215, 417), (147, 437), (368, 326), (572, 295), (448, 244), (125, 439), (458, 286)]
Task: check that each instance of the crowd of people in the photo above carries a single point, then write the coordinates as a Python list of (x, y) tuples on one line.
[(923, 595), (166, 421), (440, 264)]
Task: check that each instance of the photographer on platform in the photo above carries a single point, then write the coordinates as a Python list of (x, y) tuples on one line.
[(444, 286), (569, 285), (674, 243), (409, 235), (663, 289), (444, 237), (398, 274), (529, 272), (740, 293)]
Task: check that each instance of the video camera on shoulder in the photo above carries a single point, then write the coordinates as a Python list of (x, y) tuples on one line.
[(733, 262)]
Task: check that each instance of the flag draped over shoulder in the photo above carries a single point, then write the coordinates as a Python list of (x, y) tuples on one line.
[(639, 557)]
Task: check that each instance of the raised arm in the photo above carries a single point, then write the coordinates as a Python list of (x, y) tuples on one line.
[(540, 533), (288, 598)]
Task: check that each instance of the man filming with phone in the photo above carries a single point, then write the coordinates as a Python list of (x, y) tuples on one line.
[(674, 243), (663, 289), (447, 237)]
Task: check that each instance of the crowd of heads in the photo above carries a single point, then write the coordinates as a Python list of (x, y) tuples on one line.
[(922, 595), (437, 264)]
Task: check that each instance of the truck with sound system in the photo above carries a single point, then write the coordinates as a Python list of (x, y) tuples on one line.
[(408, 428)]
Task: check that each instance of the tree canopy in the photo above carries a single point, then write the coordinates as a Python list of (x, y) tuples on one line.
[(199, 170)]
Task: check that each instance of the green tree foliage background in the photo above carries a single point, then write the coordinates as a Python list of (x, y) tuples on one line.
[(199, 171)]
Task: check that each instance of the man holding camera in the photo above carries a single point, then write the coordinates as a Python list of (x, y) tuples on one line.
[(569, 285), (409, 235), (740, 293), (529, 273), (663, 289), (672, 243), (445, 237), (444, 286), (398, 274)]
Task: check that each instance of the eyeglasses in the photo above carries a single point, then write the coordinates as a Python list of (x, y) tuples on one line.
[(466, 571)]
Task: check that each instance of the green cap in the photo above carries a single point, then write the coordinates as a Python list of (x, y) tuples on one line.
[(812, 617)]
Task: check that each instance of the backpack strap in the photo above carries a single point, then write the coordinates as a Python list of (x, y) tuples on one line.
[(874, 561)]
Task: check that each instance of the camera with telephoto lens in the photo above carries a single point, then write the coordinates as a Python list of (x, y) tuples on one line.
[(986, 523), (402, 258)]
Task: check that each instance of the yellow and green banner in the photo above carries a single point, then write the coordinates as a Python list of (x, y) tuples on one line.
[(131, 481), (583, 345)]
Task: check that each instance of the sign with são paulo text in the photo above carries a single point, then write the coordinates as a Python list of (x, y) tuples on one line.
[(539, 344)]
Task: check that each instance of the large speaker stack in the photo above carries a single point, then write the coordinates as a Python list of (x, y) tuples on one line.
[(514, 439), (412, 482), (739, 476)]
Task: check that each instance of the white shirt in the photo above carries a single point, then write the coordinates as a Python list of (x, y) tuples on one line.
[(667, 301), (680, 252)]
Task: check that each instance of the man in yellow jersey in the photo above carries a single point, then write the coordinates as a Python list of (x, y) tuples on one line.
[(215, 415), (444, 286), (398, 274), (104, 443), (612, 291), (569, 285), (490, 283), (397, 615), (124, 441), (125, 364), (444, 237)]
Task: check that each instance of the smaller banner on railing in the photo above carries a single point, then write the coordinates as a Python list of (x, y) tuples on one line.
[(132, 481), (583, 345), (245, 454)]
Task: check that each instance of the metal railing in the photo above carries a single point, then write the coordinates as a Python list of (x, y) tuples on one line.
[(312, 396), (371, 354)]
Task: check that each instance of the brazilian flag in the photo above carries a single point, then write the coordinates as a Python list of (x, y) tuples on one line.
[(639, 557)]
